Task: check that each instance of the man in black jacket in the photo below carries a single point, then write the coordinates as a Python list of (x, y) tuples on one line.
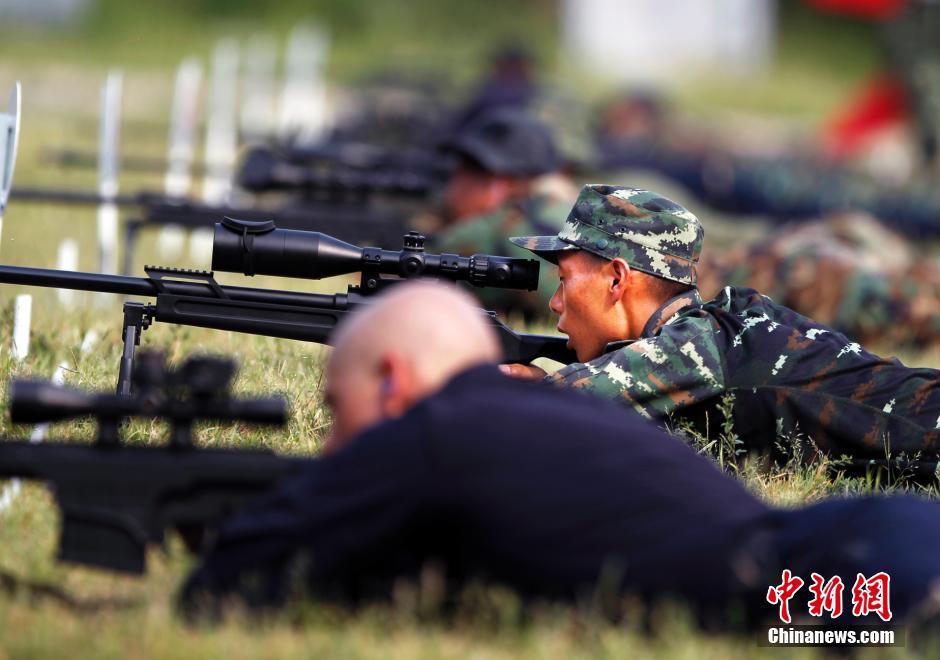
[(437, 457)]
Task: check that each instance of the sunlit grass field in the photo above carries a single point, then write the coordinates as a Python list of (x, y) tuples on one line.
[(116, 616)]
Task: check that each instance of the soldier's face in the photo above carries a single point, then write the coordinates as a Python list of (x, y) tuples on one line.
[(581, 302), (471, 192)]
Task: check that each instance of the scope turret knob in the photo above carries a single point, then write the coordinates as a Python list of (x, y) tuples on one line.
[(479, 268), (413, 241), (149, 371), (411, 266)]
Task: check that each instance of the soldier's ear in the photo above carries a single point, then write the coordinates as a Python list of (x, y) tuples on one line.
[(398, 386), (620, 277)]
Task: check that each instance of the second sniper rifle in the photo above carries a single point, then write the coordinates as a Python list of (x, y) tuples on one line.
[(341, 200), (194, 298), (117, 500)]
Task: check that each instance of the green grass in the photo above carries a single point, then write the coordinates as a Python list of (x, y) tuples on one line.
[(143, 623), (492, 626), (425, 37), (61, 73), (819, 59)]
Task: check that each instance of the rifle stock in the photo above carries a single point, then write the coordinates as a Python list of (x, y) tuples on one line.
[(115, 502)]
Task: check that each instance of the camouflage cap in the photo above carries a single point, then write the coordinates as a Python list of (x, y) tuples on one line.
[(651, 233), (508, 141)]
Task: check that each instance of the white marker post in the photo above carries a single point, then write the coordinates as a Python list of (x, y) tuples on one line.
[(259, 105), (221, 124), (9, 493), (200, 247), (22, 315), (108, 163), (303, 116), (178, 180), (184, 117), (170, 242), (67, 259), (9, 138), (39, 433), (88, 341)]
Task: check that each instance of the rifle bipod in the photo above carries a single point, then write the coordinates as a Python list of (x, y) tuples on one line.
[(137, 318)]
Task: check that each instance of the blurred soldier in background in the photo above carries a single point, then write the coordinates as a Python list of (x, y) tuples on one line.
[(399, 113), (508, 181), (913, 41), (847, 271), (909, 86), (765, 179), (509, 83), (443, 472), (627, 299)]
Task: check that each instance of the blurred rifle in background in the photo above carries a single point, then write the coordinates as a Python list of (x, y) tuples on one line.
[(345, 203)]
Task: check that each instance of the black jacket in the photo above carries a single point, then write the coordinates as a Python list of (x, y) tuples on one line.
[(548, 491)]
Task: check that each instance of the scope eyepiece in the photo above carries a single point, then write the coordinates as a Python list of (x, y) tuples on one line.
[(242, 246)]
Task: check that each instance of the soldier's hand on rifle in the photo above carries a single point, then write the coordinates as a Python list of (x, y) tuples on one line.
[(524, 371)]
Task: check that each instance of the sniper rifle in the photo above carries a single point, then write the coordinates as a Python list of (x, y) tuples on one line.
[(194, 298), (116, 500)]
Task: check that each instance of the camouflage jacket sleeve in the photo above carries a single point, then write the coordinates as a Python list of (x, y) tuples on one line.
[(475, 235), (676, 368)]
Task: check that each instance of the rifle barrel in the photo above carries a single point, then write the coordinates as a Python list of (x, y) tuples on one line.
[(194, 298), (149, 287), (58, 196), (129, 162)]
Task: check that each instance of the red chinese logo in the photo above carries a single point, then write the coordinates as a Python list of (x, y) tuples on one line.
[(782, 593), (827, 596), (872, 596), (869, 595)]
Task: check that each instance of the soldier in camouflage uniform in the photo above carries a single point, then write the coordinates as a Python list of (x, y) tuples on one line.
[(507, 183), (914, 50), (785, 185), (847, 271), (628, 301)]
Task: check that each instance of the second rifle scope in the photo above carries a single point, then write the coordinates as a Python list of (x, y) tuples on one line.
[(260, 248)]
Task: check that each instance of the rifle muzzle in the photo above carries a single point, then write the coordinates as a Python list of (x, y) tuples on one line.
[(36, 401)]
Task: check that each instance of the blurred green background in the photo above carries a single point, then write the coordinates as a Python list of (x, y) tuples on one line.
[(818, 58)]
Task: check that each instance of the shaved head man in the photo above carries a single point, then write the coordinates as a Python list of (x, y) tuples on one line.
[(401, 350), (439, 460)]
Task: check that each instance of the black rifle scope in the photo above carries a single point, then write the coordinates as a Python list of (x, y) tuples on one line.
[(260, 248), (263, 170)]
